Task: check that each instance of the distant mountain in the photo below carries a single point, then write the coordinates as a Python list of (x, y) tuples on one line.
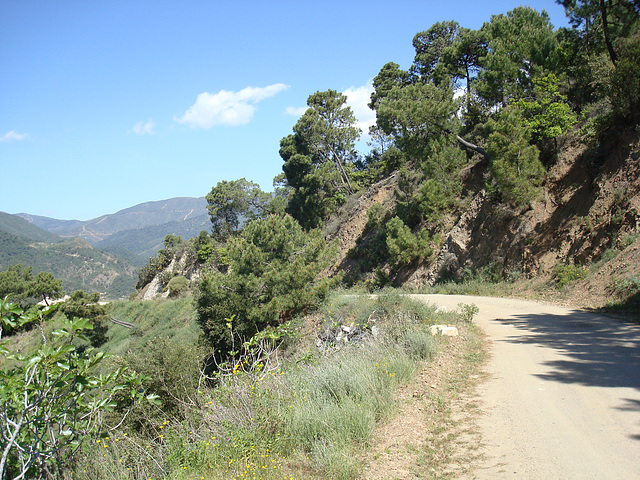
[(147, 214), (78, 264), (135, 233), (140, 244), (14, 225)]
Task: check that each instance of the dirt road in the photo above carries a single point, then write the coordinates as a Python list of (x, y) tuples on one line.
[(563, 396)]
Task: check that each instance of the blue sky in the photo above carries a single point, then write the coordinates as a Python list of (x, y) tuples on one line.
[(107, 104)]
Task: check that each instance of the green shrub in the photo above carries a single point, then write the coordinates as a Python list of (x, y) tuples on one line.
[(567, 274), (419, 344), (177, 286), (173, 371), (273, 275), (404, 246), (53, 399), (376, 214), (624, 287), (468, 311)]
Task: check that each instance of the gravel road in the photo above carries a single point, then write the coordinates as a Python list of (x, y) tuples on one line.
[(562, 400)]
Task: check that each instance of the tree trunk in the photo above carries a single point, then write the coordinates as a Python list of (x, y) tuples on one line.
[(605, 28), (476, 148)]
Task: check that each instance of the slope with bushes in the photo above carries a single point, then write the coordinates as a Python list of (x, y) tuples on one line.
[(253, 365), (74, 261)]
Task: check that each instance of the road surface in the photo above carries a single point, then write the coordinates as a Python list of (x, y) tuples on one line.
[(562, 400)]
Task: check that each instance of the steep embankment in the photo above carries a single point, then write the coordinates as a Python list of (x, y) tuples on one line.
[(590, 205)]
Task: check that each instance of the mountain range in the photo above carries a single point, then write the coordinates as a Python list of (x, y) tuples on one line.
[(136, 233), (101, 254)]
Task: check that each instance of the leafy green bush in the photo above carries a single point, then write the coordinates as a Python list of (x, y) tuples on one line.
[(488, 273), (173, 371), (468, 311), (177, 286), (567, 274), (376, 215), (624, 288), (273, 275), (404, 246), (53, 399)]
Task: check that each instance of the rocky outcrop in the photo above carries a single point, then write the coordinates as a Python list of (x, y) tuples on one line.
[(181, 264)]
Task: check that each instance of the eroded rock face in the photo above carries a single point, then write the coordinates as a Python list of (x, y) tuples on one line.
[(178, 266), (452, 257), (154, 290)]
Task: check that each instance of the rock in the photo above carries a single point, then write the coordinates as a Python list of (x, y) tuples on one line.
[(449, 332), (442, 309), (443, 330)]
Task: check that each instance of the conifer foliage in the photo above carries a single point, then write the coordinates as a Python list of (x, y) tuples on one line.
[(273, 274)]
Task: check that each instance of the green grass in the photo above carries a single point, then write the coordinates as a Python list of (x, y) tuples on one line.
[(164, 318), (304, 413), (305, 416)]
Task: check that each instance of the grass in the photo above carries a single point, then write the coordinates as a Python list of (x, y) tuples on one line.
[(162, 318), (307, 416)]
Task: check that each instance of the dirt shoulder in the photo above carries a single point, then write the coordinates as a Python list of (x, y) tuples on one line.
[(433, 434)]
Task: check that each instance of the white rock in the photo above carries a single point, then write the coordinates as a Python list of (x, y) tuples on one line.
[(443, 330), (449, 331)]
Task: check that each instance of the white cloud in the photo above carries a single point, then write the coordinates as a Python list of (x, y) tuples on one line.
[(227, 108), (142, 128), (357, 99), (12, 135), (296, 111)]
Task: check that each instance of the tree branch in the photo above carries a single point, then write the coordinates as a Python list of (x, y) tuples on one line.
[(476, 148)]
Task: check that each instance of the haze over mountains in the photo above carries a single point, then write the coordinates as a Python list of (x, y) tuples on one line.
[(101, 254), (136, 232)]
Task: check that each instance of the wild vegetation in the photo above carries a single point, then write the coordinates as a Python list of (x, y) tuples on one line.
[(254, 366)]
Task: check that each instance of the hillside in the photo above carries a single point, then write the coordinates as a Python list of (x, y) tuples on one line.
[(135, 233), (587, 217), (16, 226), (581, 234), (133, 218), (74, 261), (139, 244)]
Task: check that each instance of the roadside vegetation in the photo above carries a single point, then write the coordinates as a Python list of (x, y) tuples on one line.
[(299, 402), (256, 365)]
